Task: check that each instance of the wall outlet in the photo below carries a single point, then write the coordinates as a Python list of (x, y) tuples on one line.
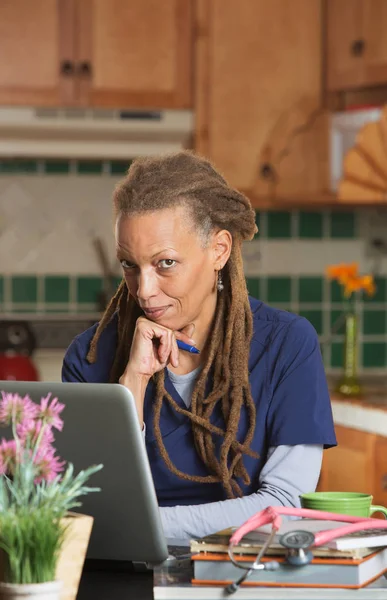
[(375, 233)]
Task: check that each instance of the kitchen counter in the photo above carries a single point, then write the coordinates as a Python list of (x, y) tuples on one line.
[(367, 412)]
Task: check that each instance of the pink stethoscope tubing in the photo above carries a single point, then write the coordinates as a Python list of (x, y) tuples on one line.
[(272, 514)]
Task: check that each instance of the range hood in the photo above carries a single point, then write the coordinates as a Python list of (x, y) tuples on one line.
[(92, 133)]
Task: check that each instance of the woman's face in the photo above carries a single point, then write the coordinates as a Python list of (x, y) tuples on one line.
[(167, 270)]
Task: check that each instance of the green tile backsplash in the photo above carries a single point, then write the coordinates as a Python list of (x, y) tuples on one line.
[(374, 322), (279, 225), (335, 292), (310, 225), (119, 167), (89, 167), (18, 166), (56, 167), (380, 294), (278, 289), (88, 289), (336, 322), (56, 289), (315, 317), (303, 295), (24, 289), (343, 225), (253, 287), (374, 354), (337, 355), (310, 289), (63, 167)]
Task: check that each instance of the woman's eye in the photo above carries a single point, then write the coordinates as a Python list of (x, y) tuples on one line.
[(126, 265), (167, 263)]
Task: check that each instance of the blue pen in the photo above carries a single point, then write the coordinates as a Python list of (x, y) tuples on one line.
[(187, 347)]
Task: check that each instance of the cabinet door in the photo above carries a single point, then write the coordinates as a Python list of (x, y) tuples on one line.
[(380, 485), (350, 466), (356, 43), (258, 104), (35, 38), (139, 53)]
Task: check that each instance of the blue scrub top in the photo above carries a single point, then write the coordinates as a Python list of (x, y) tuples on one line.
[(288, 386)]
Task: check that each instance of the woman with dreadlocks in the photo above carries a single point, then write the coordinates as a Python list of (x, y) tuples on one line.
[(241, 425)]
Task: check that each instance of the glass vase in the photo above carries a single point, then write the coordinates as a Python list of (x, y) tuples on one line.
[(349, 383)]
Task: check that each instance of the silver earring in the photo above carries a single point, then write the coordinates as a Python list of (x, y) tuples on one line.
[(219, 284)]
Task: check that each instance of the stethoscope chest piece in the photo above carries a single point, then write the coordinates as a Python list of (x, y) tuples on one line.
[(298, 544)]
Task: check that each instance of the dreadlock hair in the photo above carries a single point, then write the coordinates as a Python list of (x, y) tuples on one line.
[(185, 179)]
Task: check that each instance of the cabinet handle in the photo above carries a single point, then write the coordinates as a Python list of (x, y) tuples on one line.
[(67, 67), (357, 47), (384, 482), (267, 171), (84, 69)]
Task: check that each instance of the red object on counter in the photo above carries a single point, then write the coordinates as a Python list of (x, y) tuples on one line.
[(17, 367)]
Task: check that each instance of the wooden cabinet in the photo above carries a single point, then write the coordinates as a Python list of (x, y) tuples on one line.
[(350, 466), (259, 114), (34, 40), (357, 464), (136, 53), (108, 53), (356, 43)]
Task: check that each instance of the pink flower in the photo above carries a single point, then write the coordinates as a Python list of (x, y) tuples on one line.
[(34, 437), (50, 412), (8, 452), (15, 408), (29, 430), (47, 464)]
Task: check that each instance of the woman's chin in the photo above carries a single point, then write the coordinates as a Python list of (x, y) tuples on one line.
[(171, 323)]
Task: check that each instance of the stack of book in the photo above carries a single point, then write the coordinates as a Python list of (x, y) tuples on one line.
[(351, 562), (336, 571)]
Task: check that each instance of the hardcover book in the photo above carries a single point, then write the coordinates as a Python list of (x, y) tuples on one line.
[(211, 568)]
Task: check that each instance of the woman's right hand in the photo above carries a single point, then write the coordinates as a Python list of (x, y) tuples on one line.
[(153, 348)]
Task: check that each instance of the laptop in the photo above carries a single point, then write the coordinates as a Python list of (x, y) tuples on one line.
[(101, 426)]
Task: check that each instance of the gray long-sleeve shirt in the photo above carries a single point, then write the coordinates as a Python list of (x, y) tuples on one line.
[(288, 472)]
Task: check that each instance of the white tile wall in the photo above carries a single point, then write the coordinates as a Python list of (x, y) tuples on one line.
[(47, 223)]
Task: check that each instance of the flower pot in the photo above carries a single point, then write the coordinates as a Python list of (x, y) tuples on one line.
[(22, 591), (73, 553)]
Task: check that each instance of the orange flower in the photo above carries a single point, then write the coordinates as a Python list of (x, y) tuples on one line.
[(342, 272), (347, 276), (352, 285), (368, 284)]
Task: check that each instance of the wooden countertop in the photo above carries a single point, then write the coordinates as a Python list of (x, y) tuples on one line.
[(367, 412), (370, 400)]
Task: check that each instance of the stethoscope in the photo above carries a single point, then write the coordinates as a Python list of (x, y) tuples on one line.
[(298, 543)]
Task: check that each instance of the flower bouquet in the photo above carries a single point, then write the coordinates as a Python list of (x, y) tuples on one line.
[(37, 491)]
